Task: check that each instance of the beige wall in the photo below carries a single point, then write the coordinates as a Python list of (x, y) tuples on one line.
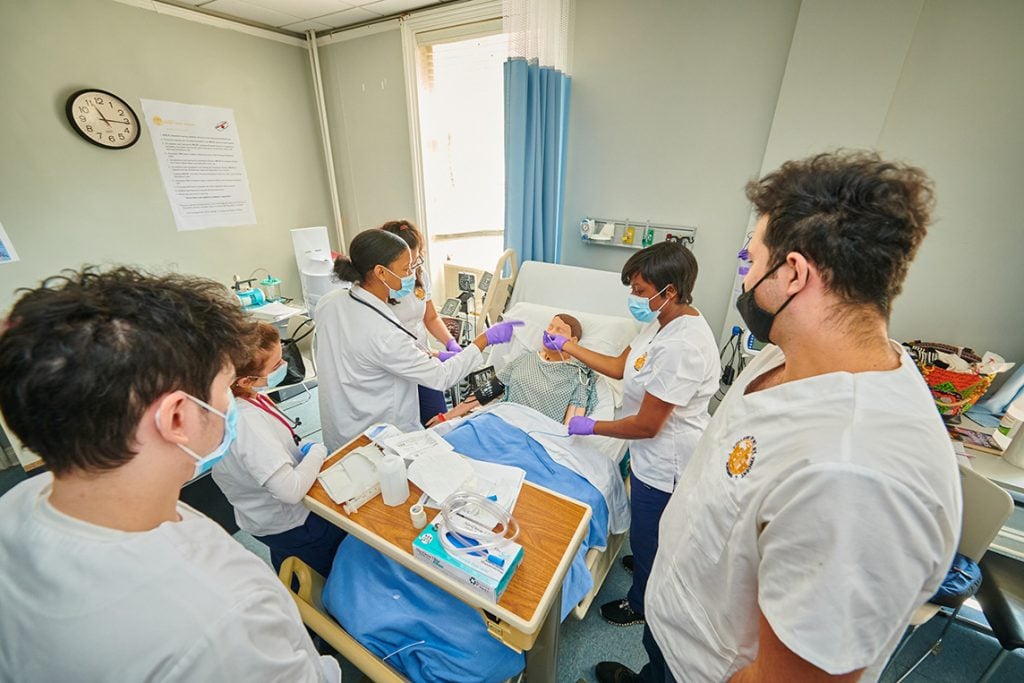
[(65, 202), (676, 104), (671, 107), (364, 86)]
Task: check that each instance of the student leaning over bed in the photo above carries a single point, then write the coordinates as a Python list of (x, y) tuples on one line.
[(268, 471), (369, 363), (547, 381), (671, 371)]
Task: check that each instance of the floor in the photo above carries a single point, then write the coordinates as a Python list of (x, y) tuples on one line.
[(964, 656)]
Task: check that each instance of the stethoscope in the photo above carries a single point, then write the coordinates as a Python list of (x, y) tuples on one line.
[(376, 310), (268, 406)]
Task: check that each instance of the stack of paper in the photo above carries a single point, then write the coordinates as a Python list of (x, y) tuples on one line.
[(414, 444)]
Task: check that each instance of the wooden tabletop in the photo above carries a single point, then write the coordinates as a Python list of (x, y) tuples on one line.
[(552, 526)]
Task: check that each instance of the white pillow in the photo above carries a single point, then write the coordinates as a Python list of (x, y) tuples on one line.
[(605, 334)]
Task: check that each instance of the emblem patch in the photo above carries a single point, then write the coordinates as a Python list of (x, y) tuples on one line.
[(420, 293), (741, 459), (640, 362)]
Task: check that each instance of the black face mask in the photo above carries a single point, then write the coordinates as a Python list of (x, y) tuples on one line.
[(758, 320)]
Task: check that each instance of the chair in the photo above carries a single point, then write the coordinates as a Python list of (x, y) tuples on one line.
[(307, 599), (1001, 597), (986, 507)]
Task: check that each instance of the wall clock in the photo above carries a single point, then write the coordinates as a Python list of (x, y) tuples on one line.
[(102, 118)]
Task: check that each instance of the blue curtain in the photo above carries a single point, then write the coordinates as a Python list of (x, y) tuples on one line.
[(536, 131)]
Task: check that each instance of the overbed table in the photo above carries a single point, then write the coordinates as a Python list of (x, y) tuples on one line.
[(552, 526)]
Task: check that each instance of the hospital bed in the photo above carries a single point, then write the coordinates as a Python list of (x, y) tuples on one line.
[(597, 299), (541, 291)]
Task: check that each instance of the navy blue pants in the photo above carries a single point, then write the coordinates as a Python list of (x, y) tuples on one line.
[(655, 670), (646, 504), (432, 402), (315, 543)]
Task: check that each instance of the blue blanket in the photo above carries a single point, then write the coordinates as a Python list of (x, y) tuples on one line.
[(420, 629)]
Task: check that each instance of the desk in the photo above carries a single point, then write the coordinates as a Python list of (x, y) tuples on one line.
[(993, 467), (552, 526)]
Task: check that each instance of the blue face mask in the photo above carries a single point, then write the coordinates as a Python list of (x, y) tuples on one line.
[(276, 377), (204, 463), (408, 283), (640, 307)]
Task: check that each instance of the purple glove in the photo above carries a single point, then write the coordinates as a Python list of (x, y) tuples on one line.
[(501, 333), (555, 342), (581, 426), (445, 355), (453, 346)]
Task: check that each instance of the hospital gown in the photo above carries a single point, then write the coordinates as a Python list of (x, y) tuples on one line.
[(549, 387)]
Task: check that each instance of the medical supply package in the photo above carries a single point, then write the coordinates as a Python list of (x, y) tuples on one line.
[(486, 572)]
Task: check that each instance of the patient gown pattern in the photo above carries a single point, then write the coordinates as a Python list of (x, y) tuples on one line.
[(549, 387), (420, 629)]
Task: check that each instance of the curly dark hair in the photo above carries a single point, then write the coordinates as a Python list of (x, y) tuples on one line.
[(858, 218), (86, 353)]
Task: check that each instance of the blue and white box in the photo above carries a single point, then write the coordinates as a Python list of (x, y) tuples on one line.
[(487, 572)]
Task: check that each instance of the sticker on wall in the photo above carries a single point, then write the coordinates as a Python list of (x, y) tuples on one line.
[(7, 252), (200, 159)]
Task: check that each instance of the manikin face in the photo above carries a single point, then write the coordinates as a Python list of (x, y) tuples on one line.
[(557, 326)]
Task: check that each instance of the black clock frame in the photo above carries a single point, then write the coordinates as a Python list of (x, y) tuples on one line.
[(85, 136)]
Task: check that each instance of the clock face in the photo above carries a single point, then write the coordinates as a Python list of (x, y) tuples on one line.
[(103, 119)]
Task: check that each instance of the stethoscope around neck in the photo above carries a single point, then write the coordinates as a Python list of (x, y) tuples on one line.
[(392, 321)]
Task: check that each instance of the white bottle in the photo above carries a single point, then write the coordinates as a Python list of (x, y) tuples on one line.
[(394, 482), (1010, 424)]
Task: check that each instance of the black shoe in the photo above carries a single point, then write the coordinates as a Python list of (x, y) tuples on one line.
[(619, 613), (613, 672), (627, 562)]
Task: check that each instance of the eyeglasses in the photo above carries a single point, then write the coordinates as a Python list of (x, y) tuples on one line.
[(418, 264)]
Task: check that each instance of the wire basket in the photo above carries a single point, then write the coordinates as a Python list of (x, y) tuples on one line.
[(954, 392)]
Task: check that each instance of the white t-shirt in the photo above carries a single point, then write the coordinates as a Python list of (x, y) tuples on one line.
[(678, 364), (369, 367), (410, 309), (263, 446), (830, 504), (182, 602)]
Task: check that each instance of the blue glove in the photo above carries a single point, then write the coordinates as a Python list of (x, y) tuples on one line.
[(555, 342), (452, 346), (501, 333), (445, 355), (311, 446), (581, 426)]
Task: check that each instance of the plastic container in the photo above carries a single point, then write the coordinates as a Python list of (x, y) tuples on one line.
[(272, 286), (394, 482), (1010, 424)]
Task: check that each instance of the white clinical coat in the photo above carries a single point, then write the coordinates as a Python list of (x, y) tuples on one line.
[(369, 366)]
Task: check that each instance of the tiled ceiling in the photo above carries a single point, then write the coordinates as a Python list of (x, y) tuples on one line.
[(299, 16)]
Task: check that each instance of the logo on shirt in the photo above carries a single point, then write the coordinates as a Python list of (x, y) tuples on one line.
[(640, 362), (741, 459), (420, 293)]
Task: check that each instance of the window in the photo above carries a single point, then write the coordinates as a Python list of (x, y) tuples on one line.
[(458, 129)]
